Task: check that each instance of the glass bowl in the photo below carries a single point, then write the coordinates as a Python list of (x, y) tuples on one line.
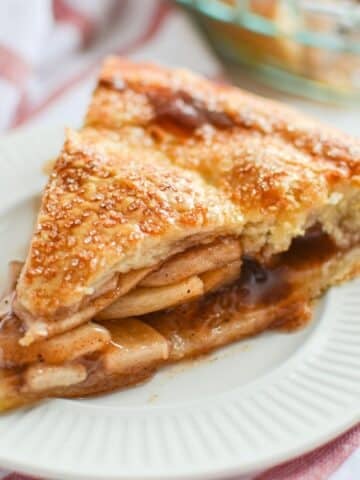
[(310, 48)]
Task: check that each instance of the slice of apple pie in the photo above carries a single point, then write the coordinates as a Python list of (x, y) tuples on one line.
[(206, 213)]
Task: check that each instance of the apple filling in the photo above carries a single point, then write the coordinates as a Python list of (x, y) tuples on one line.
[(202, 309)]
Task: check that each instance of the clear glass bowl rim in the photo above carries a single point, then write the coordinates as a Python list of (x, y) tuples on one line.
[(219, 10)]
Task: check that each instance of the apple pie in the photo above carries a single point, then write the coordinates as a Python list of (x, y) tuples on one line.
[(184, 215)]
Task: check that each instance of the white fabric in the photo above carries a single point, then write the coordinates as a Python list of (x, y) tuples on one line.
[(349, 470)]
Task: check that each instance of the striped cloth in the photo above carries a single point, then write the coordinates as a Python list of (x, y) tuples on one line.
[(48, 68)]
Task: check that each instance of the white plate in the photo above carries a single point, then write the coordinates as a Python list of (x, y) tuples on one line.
[(247, 407)]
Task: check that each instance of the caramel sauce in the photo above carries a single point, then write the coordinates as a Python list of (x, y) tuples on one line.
[(116, 83), (311, 249), (185, 111), (260, 286), (257, 287)]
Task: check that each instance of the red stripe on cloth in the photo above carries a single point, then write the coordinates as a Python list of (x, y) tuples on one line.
[(161, 13), (13, 67), (63, 12), (22, 108), (117, 9), (156, 21), (18, 476), (318, 464)]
